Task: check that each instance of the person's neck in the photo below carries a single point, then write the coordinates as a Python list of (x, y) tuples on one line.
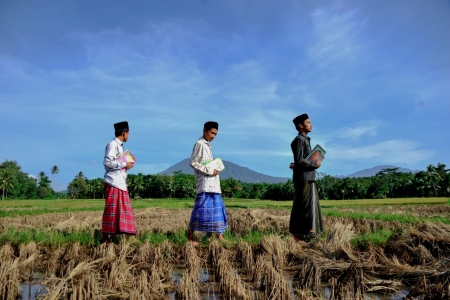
[(303, 132), (120, 138)]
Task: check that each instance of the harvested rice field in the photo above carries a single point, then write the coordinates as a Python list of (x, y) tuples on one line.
[(58, 256)]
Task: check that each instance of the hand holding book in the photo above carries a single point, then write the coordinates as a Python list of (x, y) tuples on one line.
[(216, 164), (126, 157), (317, 154)]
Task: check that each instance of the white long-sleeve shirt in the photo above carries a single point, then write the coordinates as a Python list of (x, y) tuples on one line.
[(204, 180), (114, 176)]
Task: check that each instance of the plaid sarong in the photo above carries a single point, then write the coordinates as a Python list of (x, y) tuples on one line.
[(209, 213), (118, 215)]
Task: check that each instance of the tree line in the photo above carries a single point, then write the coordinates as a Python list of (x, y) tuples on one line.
[(388, 183)]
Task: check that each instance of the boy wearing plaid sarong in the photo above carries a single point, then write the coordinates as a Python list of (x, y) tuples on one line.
[(209, 213), (118, 215)]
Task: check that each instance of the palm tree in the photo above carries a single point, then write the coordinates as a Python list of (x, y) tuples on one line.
[(432, 176), (43, 180), (54, 170), (80, 175), (98, 186)]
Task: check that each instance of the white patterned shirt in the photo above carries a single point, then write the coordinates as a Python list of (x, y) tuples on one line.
[(114, 176), (204, 180)]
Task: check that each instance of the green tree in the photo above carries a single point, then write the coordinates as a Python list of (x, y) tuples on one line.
[(44, 190), (389, 175), (230, 187), (77, 188), (5, 179), (80, 175), (98, 186), (43, 180), (136, 184), (183, 184), (431, 178), (54, 170)]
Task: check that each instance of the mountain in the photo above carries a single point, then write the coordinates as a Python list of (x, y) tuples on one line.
[(373, 171), (231, 170), (246, 175)]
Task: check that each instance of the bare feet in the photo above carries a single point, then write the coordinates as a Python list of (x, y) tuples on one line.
[(299, 241), (194, 243), (190, 235), (106, 239), (220, 237)]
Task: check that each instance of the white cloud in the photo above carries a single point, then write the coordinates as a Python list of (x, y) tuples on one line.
[(387, 152), (336, 34), (366, 128)]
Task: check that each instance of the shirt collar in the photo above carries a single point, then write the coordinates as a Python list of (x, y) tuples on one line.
[(304, 135), (118, 141), (202, 139)]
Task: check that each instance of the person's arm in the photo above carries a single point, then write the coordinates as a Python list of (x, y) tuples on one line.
[(195, 161), (298, 151), (110, 158)]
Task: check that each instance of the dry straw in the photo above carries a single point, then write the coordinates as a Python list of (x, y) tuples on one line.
[(245, 257), (276, 249), (271, 281), (189, 287), (9, 278), (230, 282), (72, 281)]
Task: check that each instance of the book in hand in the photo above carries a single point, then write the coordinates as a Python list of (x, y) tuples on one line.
[(216, 164), (317, 153), (126, 156)]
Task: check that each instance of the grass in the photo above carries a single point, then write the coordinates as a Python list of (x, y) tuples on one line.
[(86, 238), (336, 208), (403, 218), (34, 207), (377, 238), (47, 238)]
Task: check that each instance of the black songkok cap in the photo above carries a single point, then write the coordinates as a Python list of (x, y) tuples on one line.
[(121, 126), (300, 119), (211, 124)]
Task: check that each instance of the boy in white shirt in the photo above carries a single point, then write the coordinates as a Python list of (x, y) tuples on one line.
[(209, 213), (118, 215)]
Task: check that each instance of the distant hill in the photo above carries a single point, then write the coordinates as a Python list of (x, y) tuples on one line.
[(373, 171), (231, 170)]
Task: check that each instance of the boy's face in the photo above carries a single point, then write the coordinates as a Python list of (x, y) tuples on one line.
[(125, 136), (306, 126), (209, 135)]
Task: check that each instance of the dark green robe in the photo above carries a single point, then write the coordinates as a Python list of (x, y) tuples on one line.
[(305, 214)]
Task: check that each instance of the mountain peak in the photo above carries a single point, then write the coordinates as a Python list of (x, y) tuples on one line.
[(232, 170), (374, 170)]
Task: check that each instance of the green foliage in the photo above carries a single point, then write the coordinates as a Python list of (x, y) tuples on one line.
[(78, 187), (46, 237), (16, 184), (377, 238), (388, 183)]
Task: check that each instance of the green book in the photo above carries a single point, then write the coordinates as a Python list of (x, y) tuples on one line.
[(216, 164)]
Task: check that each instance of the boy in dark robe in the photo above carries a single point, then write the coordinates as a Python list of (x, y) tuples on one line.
[(306, 218)]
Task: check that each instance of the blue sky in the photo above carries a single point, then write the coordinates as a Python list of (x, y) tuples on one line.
[(374, 77)]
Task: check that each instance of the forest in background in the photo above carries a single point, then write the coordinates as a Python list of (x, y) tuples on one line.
[(388, 183)]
